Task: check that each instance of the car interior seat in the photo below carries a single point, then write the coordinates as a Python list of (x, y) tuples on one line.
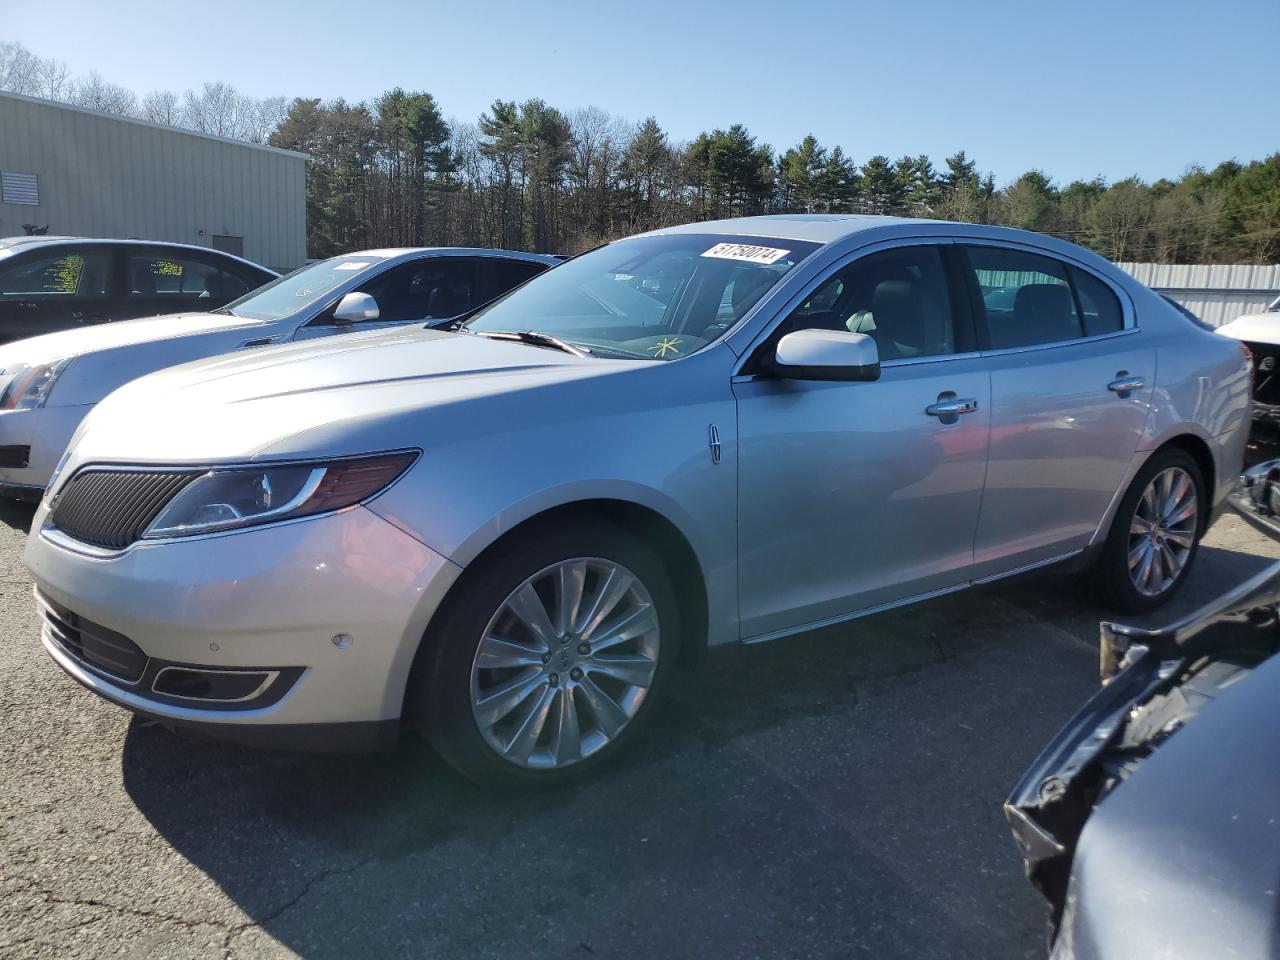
[(446, 301), (1042, 313)]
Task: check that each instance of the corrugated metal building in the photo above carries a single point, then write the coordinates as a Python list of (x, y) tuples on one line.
[(1217, 293), (83, 173)]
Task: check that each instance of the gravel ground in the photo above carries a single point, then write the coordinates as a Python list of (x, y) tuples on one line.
[(837, 795)]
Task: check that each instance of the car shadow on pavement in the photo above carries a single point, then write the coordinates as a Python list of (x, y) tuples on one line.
[(819, 797), (837, 794), (17, 514)]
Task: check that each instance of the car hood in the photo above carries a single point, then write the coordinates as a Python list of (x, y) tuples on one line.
[(343, 394), (122, 333), (1256, 328)]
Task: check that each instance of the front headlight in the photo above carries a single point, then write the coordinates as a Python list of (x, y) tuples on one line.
[(225, 499), (31, 384)]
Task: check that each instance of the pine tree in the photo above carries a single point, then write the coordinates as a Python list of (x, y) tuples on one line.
[(800, 174), (882, 190)]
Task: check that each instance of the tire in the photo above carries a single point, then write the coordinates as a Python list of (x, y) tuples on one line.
[(454, 685), (1112, 574)]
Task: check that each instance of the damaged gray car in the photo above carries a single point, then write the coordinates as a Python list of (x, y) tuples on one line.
[(1151, 821)]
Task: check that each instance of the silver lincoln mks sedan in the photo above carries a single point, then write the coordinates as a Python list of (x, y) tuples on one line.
[(512, 534)]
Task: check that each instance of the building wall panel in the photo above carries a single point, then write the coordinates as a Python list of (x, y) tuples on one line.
[(1215, 292), (106, 176)]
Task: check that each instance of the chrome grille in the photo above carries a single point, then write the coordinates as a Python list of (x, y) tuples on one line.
[(92, 644), (111, 508)]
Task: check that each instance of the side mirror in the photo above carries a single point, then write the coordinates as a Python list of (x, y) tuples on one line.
[(826, 355), (355, 307)]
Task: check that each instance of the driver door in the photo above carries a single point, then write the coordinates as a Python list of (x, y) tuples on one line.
[(854, 496)]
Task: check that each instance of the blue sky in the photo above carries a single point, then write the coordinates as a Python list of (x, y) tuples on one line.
[(1076, 89)]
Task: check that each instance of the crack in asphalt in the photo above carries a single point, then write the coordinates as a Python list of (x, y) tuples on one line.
[(50, 897), (233, 931), (240, 929), (53, 933)]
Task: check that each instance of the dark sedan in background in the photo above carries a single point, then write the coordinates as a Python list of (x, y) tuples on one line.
[(1152, 821), (59, 283)]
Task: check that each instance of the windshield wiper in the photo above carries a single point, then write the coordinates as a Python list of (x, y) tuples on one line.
[(536, 339), (225, 312)]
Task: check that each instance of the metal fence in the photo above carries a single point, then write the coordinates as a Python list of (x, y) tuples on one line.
[(1215, 292)]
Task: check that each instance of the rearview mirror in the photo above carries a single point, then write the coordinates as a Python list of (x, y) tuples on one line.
[(355, 307), (826, 355)]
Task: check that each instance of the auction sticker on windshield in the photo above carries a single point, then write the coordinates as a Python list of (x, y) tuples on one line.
[(746, 251)]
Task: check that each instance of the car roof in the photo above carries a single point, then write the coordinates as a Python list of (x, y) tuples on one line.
[(813, 227), (388, 253), (826, 228), (10, 243)]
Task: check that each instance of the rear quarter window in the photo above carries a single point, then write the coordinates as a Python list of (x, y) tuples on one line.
[(1100, 305)]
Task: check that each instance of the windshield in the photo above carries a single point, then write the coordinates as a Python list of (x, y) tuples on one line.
[(652, 298), (300, 289)]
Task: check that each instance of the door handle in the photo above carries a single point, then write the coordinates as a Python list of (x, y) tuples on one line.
[(949, 408), (1125, 384)]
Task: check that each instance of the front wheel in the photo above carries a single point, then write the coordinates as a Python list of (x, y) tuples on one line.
[(549, 655), (1155, 535)]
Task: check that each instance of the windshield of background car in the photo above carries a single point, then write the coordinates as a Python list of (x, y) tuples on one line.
[(652, 298), (300, 289)]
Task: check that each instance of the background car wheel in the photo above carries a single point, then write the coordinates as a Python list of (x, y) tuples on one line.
[(548, 655), (1155, 535)]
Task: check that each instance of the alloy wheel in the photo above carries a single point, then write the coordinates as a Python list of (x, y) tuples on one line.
[(565, 663), (1162, 532)]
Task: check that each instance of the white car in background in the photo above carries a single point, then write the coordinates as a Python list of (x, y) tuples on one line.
[(1260, 332), (49, 383)]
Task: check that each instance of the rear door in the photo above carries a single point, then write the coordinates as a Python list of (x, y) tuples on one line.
[(161, 280), (55, 287), (1071, 386)]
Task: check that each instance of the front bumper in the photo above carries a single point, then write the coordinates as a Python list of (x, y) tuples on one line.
[(269, 601), (45, 433)]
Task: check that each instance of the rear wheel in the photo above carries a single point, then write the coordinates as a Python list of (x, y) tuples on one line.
[(548, 656), (1155, 535)]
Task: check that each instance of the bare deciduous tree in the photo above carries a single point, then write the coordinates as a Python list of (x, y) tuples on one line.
[(161, 106), (94, 93)]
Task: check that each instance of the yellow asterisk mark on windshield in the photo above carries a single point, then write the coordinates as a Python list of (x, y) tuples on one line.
[(663, 347)]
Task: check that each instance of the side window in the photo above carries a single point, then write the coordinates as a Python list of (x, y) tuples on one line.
[(57, 273), (899, 297), (1028, 298), (429, 289), (166, 276), (1101, 308), (497, 276), (512, 273)]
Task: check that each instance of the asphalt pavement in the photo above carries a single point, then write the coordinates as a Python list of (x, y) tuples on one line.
[(835, 795)]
